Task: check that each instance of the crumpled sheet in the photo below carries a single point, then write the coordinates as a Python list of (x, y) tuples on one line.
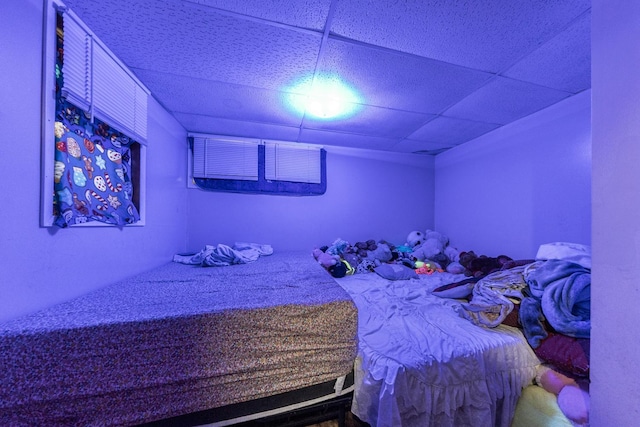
[(421, 364), (490, 303), (222, 255)]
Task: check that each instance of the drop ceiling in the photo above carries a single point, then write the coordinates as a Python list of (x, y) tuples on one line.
[(432, 74)]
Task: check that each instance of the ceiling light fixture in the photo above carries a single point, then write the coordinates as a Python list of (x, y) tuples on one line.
[(324, 97)]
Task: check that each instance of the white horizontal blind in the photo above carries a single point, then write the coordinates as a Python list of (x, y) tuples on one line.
[(96, 81), (117, 96), (225, 159), (77, 64), (293, 162)]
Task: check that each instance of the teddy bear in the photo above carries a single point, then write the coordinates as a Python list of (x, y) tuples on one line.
[(431, 245), (415, 239), (480, 266), (381, 253), (362, 248)]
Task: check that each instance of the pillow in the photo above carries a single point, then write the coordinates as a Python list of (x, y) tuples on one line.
[(461, 289), (569, 354), (395, 272)]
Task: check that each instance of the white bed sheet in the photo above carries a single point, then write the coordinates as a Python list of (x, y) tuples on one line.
[(420, 364)]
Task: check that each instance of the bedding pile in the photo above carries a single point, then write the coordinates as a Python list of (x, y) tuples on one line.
[(549, 299), (175, 340)]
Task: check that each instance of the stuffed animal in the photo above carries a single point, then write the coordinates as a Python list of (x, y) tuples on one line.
[(363, 247), (572, 400), (326, 260), (366, 266), (452, 253), (430, 234), (415, 239), (352, 257), (338, 247), (432, 246), (455, 268), (480, 266), (381, 254), (428, 250)]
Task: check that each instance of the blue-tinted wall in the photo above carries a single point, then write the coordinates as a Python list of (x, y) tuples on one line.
[(522, 185), (615, 288), (42, 266), (370, 195)]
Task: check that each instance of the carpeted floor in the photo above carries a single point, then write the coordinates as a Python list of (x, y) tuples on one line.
[(350, 421)]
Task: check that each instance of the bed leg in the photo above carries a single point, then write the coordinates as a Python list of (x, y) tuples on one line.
[(341, 416)]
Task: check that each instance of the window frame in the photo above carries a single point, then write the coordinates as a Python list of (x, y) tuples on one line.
[(48, 112), (262, 185)]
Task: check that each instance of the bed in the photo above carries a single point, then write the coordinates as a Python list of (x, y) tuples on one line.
[(421, 364), (485, 347), (178, 340)]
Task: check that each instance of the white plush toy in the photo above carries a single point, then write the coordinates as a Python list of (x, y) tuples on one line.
[(428, 250), (434, 246), (415, 239)]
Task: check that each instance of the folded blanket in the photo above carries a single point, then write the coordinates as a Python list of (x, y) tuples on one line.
[(562, 291)]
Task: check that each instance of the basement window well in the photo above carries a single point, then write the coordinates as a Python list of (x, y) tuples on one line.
[(245, 165)]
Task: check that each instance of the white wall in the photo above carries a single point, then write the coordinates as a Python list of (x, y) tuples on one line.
[(615, 290), (521, 185), (369, 196), (43, 266)]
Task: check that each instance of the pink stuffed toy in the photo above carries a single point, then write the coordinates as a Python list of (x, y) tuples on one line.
[(572, 400), (326, 260)]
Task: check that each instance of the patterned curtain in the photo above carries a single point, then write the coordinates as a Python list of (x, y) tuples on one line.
[(92, 176)]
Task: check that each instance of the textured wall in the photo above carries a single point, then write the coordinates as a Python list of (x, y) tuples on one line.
[(42, 266), (615, 352), (519, 186)]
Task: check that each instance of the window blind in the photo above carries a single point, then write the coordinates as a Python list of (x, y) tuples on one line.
[(225, 159), (292, 162), (96, 81)]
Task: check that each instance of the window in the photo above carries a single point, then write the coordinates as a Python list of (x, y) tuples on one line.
[(94, 129), (243, 165), (293, 162), (225, 159)]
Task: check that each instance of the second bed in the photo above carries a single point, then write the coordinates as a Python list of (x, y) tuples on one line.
[(420, 364)]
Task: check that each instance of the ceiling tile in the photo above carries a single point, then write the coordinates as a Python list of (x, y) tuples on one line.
[(397, 80), (218, 126), (224, 100), (373, 121), (313, 136), (304, 14), (431, 73), (503, 100), (451, 131), (422, 147), (488, 35), (562, 63), (195, 41)]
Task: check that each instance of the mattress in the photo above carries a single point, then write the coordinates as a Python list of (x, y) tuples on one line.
[(176, 340), (421, 364)]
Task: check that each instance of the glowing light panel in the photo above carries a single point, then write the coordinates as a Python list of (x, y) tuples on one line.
[(323, 97)]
